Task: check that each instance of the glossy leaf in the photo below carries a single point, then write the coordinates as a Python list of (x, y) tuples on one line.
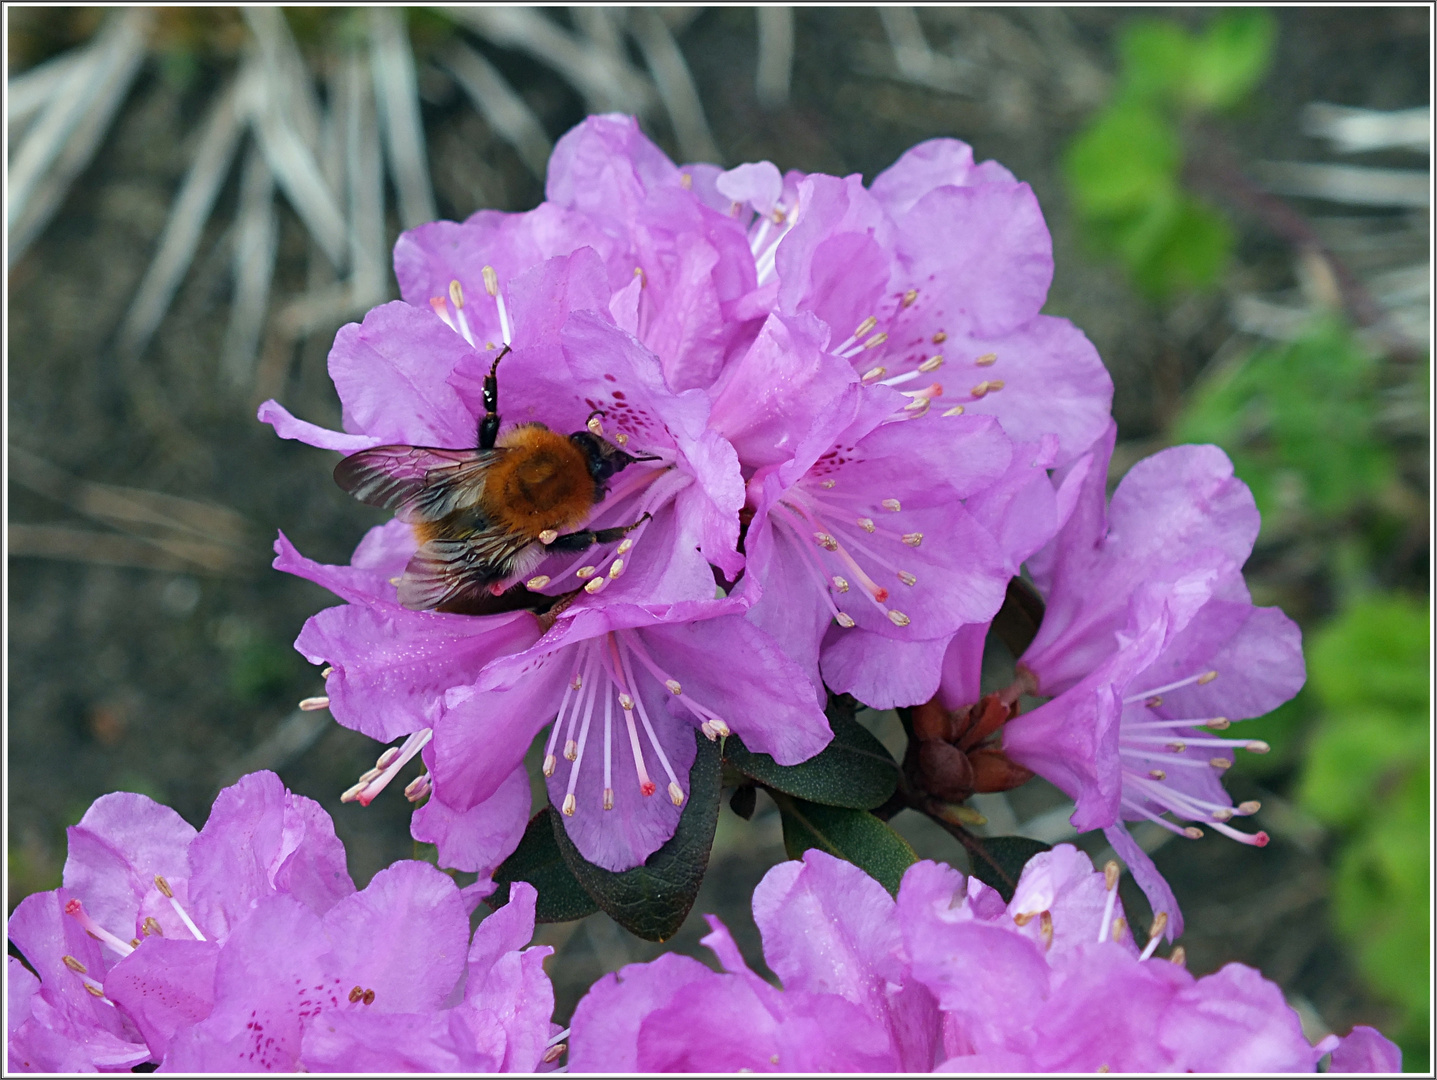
[(999, 860), (651, 901), (854, 835), (854, 770), (538, 861)]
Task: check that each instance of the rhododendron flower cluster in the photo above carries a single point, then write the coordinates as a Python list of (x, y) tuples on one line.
[(947, 978), (245, 947)]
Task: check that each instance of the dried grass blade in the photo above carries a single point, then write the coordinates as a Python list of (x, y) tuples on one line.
[(502, 108), (364, 167), (256, 242), (30, 92), (397, 93), (676, 86), (110, 549), (775, 55)]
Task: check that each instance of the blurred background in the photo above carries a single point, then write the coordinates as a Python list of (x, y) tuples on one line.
[(1240, 208)]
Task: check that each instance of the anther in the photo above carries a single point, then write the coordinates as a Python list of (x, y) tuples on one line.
[(1206, 677), (577, 682), (368, 997), (676, 794), (585, 572), (95, 991), (910, 296), (1177, 747), (1111, 872), (913, 539), (827, 484), (314, 704), (1248, 808), (1220, 763), (555, 1052), (957, 410), (164, 887), (595, 427), (897, 618), (594, 586), (1120, 927), (844, 620), (1223, 813), (134, 943), (571, 750), (151, 927), (1023, 918), (1178, 956), (491, 281), (639, 273), (907, 578), (608, 798), (866, 524), (686, 181), (933, 363), (1045, 929), (625, 545), (548, 536), (1154, 701), (1257, 746), (418, 788), (626, 702), (1218, 723), (538, 581), (865, 326), (1192, 832), (370, 774), (395, 581), (456, 291), (570, 805), (875, 341), (892, 505), (841, 584), (1157, 774), (352, 793), (939, 338), (327, 672), (616, 569), (550, 764), (720, 729), (872, 375), (986, 387), (356, 994), (674, 687), (986, 359), (74, 965), (825, 541), (621, 439)]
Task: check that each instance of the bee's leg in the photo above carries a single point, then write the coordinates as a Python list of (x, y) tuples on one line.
[(578, 541), (489, 426)]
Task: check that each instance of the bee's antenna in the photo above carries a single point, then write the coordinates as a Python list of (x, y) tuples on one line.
[(596, 412), (494, 367), (645, 457)]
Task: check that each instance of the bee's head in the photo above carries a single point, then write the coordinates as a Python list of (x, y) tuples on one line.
[(604, 458)]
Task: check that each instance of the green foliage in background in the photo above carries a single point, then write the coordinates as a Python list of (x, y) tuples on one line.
[(1124, 169), (1368, 774)]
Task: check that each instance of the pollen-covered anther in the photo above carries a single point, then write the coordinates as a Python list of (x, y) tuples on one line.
[(164, 887), (913, 539), (1257, 746), (616, 569), (866, 524), (550, 764), (625, 546), (491, 281), (1251, 806), (865, 326), (368, 997), (721, 729), (844, 620), (577, 682), (1154, 701), (1023, 918), (933, 363), (456, 291), (957, 410), (386, 759), (676, 794), (1220, 763), (370, 774), (1111, 873), (585, 572), (571, 750), (595, 426), (594, 586), (151, 927), (548, 536), (1120, 927), (907, 578), (1045, 929), (555, 1052), (314, 704), (356, 994), (939, 338), (74, 965), (1178, 956), (351, 794), (1206, 677), (95, 991), (327, 672), (418, 788), (538, 581), (827, 485), (395, 581), (987, 386), (570, 805), (986, 359), (674, 687), (621, 439), (1177, 747), (626, 702), (839, 583), (825, 541), (1222, 813), (1157, 774), (892, 505), (1192, 832), (875, 341), (897, 618), (910, 296), (1218, 723), (608, 798), (872, 375)]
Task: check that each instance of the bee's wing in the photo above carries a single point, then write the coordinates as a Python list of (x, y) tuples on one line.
[(419, 483), (455, 575)]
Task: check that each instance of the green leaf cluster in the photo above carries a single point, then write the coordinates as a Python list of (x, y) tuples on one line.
[(1299, 421), (1124, 169), (1368, 773)]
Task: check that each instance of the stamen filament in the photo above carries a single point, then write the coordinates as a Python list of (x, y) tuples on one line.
[(1202, 679)]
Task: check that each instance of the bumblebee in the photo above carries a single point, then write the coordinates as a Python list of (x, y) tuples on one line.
[(487, 516)]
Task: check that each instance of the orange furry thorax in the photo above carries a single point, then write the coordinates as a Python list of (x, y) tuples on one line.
[(542, 482)]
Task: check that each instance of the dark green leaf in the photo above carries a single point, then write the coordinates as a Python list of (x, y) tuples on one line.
[(854, 770), (744, 800), (538, 861), (1018, 620), (651, 901), (999, 860), (854, 835)]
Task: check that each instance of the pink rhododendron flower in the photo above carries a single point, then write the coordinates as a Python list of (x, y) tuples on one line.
[(1150, 643), (945, 978), (245, 947)]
